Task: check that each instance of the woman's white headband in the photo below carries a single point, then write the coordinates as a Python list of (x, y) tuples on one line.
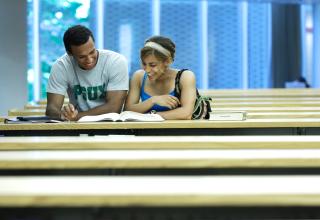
[(159, 48)]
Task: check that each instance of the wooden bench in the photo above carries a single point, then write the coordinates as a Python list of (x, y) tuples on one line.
[(160, 152)]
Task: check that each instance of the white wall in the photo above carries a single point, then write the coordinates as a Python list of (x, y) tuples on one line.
[(13, 55)]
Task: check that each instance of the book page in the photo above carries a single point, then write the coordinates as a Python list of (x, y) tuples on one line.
[(135, 116), (104, 117)]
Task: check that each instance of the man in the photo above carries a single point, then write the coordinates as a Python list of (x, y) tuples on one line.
[(96, 80)]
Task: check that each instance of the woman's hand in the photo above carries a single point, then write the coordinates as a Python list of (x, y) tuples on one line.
[(169, 101)]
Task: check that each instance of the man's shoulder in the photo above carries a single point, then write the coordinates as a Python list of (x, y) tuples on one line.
[(64, 60)]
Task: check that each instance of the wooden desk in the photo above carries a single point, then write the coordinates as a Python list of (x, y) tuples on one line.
[(267, 109), (253, 107), (34, 106), (35, 109), (44, 101), (266, 104), (2, 118), (161, 152), (231, 93), (264, 99), (289, 126), (160, 191), (160, 197), (282, 115), (26, 112), (38, 110), (238, 100), (130, 142)]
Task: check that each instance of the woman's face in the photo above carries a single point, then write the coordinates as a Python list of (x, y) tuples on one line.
[(154, 67)]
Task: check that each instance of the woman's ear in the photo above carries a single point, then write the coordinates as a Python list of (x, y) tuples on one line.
[(168, 62)]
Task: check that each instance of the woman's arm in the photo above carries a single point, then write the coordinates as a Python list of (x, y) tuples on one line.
[(133, 99), (187, 99)]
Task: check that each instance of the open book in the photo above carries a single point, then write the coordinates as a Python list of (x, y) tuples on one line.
[(123, 116), (228, 116)]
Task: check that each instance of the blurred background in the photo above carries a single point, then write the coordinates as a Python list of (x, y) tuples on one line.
[(228, 44)]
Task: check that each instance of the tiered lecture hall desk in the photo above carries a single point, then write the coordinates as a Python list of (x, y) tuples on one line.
[(260, 93), (160, 197), (178, 197), (269, 126), (159, 152), (270, 111), (289, 191)]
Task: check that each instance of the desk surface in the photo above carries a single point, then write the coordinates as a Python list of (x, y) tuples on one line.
[(253, 107), (266, 104), (117, 142), (174, 124), (215, 103), (160, 191), (282, 115), (262, 92), (160, 152), (265, 99), (160, 159), (251, 101), (289, 126), (267, 109)]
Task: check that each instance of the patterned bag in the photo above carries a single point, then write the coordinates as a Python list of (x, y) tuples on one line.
[(202, 106)]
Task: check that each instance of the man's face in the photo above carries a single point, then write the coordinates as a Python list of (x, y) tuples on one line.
[(86, 55)]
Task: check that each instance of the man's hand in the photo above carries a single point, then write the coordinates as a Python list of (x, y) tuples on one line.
[(69, 112)]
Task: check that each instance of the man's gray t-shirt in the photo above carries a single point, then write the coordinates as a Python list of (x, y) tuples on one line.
[(87, 88)]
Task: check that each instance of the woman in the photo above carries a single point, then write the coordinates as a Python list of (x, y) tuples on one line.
[(154, 84)]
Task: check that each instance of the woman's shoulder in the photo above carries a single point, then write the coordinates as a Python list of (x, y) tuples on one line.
[(187, 74), (187, 71), (187, 79), (137, 76), (139, 72)]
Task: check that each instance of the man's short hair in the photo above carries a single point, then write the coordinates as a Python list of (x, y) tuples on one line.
[(76, 36)]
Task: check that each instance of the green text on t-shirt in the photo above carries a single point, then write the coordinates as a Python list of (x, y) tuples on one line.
[(90, 92)]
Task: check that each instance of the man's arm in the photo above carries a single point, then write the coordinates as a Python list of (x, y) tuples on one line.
[(113, 103), (54, 105)]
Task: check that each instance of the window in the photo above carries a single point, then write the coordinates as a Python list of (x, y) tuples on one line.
[(47, 21), (226, 44)]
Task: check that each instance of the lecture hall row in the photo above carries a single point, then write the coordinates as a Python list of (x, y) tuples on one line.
[(195, 175)]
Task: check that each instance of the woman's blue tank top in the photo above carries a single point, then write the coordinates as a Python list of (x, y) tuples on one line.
[(144, 96)]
